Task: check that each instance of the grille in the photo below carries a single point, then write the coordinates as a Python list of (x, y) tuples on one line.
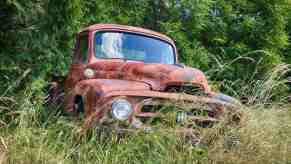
[(158, 113)]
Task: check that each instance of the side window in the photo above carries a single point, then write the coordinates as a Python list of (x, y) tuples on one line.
[(82, 50)]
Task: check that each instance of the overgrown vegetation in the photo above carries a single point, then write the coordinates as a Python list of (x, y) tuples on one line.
[(42, 137), (242, 45)]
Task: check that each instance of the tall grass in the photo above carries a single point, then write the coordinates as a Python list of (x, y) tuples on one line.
[(39, 135), (264, 139), (34, 134), (60, 142), (273, 83), (255, 88)]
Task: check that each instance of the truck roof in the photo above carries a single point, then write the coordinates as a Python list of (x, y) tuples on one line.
[(124, 28)]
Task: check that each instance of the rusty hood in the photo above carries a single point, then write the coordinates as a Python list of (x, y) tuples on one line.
[(157, 76)]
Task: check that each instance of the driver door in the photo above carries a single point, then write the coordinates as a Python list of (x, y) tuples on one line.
[(80, 60)]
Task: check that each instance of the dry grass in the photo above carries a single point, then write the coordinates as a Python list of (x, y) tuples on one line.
[(263, 139), (44, 136)]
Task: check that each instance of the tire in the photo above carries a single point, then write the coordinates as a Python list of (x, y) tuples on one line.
[(79, 105)]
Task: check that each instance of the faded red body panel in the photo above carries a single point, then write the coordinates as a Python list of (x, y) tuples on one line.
[(115, 27), (132, 80), (91, 30), (158, 76)]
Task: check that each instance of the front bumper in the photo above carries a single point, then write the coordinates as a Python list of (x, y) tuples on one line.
[(216, 108)]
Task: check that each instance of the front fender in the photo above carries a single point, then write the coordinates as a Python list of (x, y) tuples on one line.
[(226, 98), (93, 90)]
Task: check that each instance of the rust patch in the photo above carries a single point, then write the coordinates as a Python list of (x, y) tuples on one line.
[(134, 80)]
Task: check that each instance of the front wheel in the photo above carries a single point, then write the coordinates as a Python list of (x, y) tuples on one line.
[(79, 104)]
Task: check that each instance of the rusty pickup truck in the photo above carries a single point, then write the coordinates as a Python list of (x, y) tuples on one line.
[(125, 76)]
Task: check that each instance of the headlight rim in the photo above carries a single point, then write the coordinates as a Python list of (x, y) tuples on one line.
[(113, 109)]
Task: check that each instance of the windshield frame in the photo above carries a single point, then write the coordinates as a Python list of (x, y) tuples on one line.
[(93, 35)]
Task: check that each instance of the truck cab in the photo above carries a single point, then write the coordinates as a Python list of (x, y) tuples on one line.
[(119, 72)]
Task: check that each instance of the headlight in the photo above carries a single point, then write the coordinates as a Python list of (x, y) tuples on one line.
[(121, 109)]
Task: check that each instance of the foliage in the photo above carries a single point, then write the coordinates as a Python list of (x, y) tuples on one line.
[(57, 139), (205, 32), (242, 46), (237, 28)]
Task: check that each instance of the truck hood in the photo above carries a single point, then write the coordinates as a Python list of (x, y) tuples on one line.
[(158, 76)]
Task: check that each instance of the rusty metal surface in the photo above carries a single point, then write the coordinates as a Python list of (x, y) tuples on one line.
[(133, 80), (91, 30), (170, 96), (216, 106), (158, 76), (124, 28)]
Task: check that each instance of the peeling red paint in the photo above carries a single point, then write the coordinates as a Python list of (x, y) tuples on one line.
[(132, 80)]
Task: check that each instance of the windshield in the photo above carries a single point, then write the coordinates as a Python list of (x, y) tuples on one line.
[(131, 46)]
